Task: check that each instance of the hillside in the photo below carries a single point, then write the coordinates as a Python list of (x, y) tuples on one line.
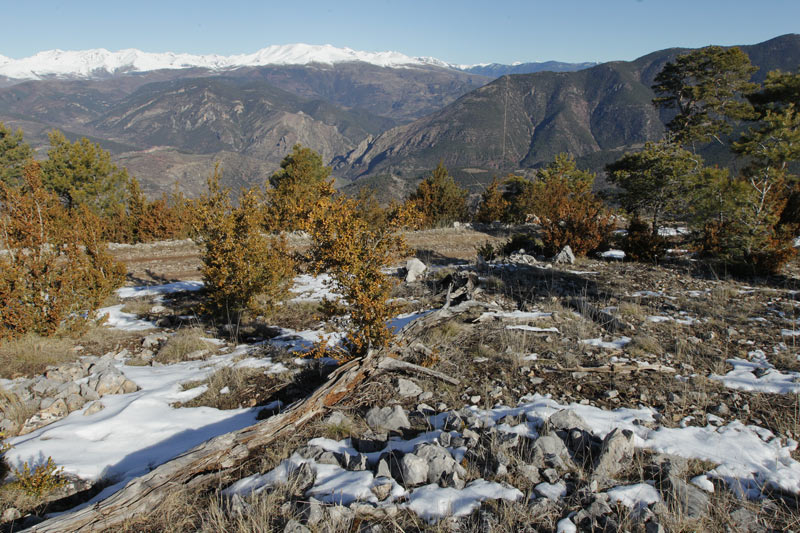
[(522, 121)]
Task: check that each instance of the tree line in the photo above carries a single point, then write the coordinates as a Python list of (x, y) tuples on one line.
[(57, 214)]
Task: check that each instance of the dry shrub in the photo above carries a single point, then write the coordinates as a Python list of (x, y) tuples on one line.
[(182, 344), (239, 261), (355, 253), (54, 268)]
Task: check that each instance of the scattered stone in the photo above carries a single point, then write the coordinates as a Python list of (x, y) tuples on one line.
[(565, 420), (301, 479), (12, 513), (615, 454), (382, 488), (565, 256), (414, 269), (407, 388), (95, 407), (413, 470), (387, 418), (692, 501), (293, 526)]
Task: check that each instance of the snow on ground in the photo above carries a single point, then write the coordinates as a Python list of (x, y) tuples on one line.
[(515, 315), (759, 375), (750, 458), (616, 344), (159, 290), (634, 496), (138, 431), (310, 288), (117, 319)]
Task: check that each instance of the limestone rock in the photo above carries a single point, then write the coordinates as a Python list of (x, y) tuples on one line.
[(615, 454), (565, 256), (387, 418), (407, 388), (414, 269)]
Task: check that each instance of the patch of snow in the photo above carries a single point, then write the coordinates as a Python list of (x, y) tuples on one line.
[(518, 315), (137, 431), (673, 232), (656, 319), (616, 344), (551, 491), (433, 502), (703, 482), (651, 294), (310, 288), (759, 375), (159, 290), (117, 319), (565, 525), (613, 254), (634, 496)]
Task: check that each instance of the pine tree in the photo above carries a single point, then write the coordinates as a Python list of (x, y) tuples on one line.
[(656, 180), (440, 200), (296, 189), (14, 155), (81, 173), (240, 263), (493, 206), (706, 88)]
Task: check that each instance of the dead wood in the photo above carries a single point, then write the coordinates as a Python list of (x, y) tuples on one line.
[(211, 460), (396, 365)]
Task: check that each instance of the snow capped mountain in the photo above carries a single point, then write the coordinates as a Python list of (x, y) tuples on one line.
[(89, 63)]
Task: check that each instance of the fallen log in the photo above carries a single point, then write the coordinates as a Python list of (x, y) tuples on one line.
[(211, 460)]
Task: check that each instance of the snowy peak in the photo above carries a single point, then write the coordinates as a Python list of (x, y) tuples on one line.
[(99, 61)]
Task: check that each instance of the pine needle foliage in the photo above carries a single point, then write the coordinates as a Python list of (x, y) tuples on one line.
[(355, 249), (240, 262), (493, 206), (440, 200), (81, 173), (296, 189), (55, 268), (14, 155)]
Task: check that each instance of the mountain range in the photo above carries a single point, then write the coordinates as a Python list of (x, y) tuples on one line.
[(379, 118)]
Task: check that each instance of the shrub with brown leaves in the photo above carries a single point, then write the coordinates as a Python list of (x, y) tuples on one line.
[(54, 266)]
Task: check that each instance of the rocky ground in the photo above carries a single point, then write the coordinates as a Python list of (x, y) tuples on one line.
[(594, 396)]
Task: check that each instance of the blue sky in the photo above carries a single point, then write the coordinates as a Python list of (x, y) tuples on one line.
[(464, 31)]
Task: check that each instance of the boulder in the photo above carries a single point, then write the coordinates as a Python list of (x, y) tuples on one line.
[(413, 470), (616, 453), (95, 407), (387, 418)]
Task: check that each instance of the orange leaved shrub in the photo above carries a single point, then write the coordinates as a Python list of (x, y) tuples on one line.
[(355, 249), (54, 266)]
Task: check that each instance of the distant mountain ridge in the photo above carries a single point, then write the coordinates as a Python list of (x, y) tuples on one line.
[(99, 62), (522, 121), (495, 70)]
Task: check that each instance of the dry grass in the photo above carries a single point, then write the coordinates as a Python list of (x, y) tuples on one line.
[(183, 343), (137, 306), (15, 410), (245, 387), (31, 354)]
